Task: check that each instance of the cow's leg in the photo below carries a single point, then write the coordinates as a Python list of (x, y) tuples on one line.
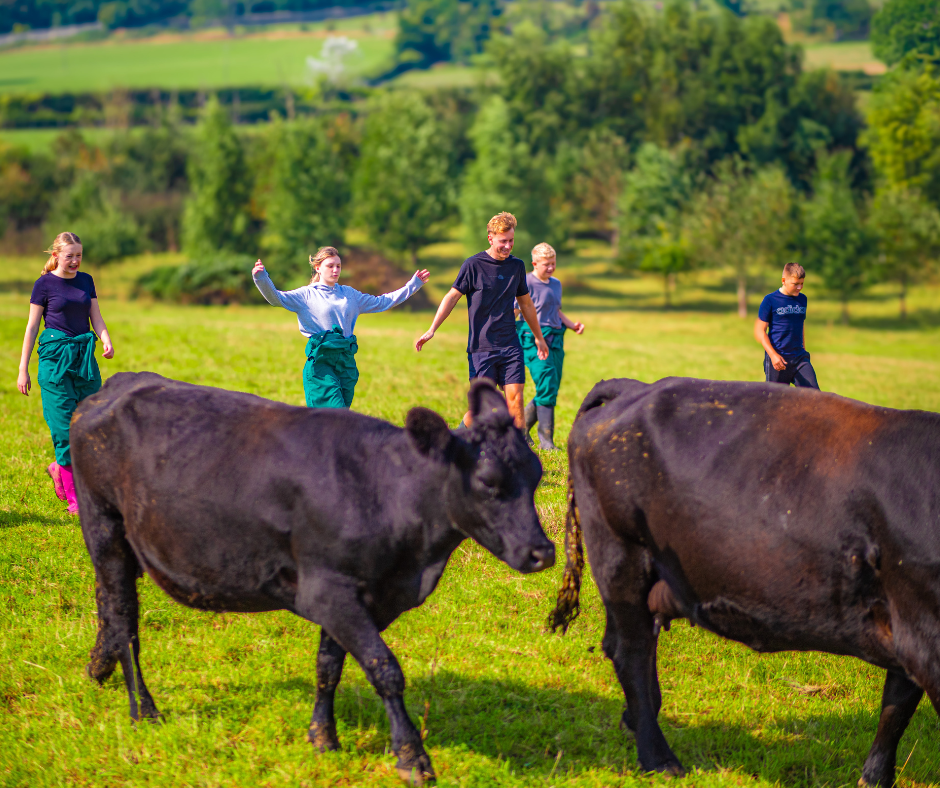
[(116, 573), (335, 605), (898, 704), (630, 644), (322, 733)]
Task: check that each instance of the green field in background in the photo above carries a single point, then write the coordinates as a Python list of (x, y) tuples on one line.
[(843, 56), (504, 703), (192, 61)]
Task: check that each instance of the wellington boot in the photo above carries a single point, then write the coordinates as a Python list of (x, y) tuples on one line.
[(68, 484), (55, 474), (531, 416), (546, 428)]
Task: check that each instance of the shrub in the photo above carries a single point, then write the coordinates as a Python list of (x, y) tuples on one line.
[(225, 281)]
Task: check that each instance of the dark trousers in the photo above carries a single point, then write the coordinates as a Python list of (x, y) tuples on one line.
[(799, 372)]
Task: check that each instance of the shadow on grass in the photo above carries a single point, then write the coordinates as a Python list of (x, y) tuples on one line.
[(15, 519), (535, 730), (16, 286)]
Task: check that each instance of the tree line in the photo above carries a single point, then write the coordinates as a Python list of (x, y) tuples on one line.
[(685, 137)]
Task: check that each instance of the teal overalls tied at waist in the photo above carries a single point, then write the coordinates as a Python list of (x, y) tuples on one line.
[(545, 374), (68, 373), (330, 374)]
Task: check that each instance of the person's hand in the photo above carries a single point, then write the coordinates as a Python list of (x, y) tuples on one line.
[(423, 275), (542, 348), (423, 339), (579, 328), (108, 350), (777, 361), (259, 267), (23, 383)]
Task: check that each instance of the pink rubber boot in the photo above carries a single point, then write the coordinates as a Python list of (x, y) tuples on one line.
[(56, 475), (68, 483)]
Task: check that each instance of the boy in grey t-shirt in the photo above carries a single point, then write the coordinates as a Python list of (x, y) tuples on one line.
[(545, 291)]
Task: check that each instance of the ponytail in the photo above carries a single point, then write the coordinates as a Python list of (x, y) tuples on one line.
[(323, 253), (61, 240)]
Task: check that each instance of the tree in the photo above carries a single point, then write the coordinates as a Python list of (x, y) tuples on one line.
[(743, 219), (216, 216), (505, 176), (908, 231), (309, 193), (904, 131), (656, 192), (403, 186), (835, 240), (905, 28), (435, 31)]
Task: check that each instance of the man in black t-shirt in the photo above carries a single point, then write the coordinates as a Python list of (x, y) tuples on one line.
[(492, 281)]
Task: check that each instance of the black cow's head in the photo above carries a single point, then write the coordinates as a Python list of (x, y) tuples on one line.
[(491, 495)]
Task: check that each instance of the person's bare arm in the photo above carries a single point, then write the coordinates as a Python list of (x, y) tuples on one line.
[(566, 321), (23, 383), (97, 323), (530, 316), (447, 306), (760, 334)]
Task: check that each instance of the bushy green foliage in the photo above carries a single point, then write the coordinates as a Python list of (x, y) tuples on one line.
[(505, 176), (907, 229), (308, 203), (904, 131), (906, 29), (435, 31), (836, 243), (27, 185), (219, 281), (217, 215), (837, 18), (404, 184)]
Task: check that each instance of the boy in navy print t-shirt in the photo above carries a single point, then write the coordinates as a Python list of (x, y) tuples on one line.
[(780, 330), (492, 281)]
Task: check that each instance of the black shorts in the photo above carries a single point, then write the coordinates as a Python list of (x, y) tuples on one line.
[(502, 366), (799, 372)]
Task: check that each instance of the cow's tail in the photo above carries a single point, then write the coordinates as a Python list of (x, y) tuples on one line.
[(568, 606)]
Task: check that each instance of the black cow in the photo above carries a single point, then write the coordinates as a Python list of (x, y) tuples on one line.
[(236, 503), (785, 519)]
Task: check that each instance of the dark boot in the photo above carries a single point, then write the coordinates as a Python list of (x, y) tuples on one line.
[(530, 419), (546, 418)]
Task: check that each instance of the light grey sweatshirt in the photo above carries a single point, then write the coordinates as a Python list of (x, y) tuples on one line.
[(319, 307)]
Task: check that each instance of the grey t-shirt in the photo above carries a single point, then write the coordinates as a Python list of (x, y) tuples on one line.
[(547, 299)]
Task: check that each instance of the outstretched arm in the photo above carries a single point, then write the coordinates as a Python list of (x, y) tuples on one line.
[(23, 383), (97, 323), (567, 322), (447, 306), (530, 316), (760, 334), (292, 300), (370, 303)]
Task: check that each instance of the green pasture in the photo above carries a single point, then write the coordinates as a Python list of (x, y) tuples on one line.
[(199, 60), (502, 702), (843, 56)]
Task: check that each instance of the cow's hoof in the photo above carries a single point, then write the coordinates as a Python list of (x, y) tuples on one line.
[(323, 737), (100, 670), (417, 776), (672, 770), (414, 766)]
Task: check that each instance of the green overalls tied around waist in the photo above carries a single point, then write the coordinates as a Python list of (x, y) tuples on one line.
[(546, 374), (68, 373), (330, 374)]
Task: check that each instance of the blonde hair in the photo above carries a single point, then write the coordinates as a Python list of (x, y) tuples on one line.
[(323, 253), (794, 269), (542, 251), (61, 240), (501, 223)]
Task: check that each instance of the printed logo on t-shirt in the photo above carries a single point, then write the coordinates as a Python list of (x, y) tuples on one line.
[(500, 276), (791, 309)]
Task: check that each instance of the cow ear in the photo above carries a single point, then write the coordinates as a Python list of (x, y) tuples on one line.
[(428, 431), (486, 401)]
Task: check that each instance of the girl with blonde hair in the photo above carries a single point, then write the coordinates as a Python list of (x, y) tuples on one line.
[(326, 313), (65, 299)]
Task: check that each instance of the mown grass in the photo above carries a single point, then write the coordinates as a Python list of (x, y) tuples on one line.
[(204, 60), (843, 56), (503, 703)]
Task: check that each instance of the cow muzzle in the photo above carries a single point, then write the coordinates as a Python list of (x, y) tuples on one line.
[(533, 557)]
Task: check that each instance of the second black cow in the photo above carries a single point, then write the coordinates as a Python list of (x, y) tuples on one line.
[(236, 503), (781, 518)]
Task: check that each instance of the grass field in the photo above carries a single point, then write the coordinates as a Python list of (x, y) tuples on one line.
[(503, 703), (208, 59), (844, 56)]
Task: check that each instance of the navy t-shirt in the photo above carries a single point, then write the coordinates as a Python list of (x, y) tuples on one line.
[(786, 315), (491, 286), (66, 303)]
